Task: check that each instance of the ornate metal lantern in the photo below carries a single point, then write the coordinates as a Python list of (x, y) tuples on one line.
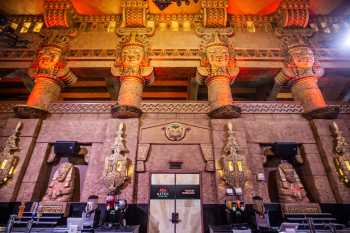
[(342, 154), (115, 171), (8, 159), (232, 164)]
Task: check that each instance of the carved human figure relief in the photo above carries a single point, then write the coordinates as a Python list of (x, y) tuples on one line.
[(290, 188), (116, 164), (61, 187)]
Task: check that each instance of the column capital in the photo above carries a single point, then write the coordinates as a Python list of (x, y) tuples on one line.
[(50, 59), (132, 59), (217, 61), (218, 70), (300, 63), (51, 74)]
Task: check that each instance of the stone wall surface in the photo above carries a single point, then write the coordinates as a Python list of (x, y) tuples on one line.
[(325, 142), (150, 151)]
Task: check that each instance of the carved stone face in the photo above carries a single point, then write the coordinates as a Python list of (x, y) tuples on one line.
[(48, 57), (63, 171), (132, 55), (290, 175), (218, 56), (302, 57)]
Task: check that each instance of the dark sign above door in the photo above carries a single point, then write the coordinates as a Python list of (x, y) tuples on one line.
[(175, 192)]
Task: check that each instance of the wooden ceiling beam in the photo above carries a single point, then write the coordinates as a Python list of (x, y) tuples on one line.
[(170, 83), (13, 91), (87, 83), (85, 95), (243, 90), (164, 95)]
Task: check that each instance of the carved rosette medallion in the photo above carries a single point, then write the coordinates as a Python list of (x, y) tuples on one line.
[(218, 71), (51, 74), (175, 131), (342, 154), (115, 171), (301, 72), (8, 157)]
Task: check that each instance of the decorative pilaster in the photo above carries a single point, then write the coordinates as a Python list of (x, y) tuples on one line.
[(134, 72), (294, 13), (214, 13), (58, 13), (218, 71), (134, 13), (302, 72), (50, 73)]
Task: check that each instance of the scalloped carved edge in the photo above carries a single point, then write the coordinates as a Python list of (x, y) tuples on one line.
[(191, 107)]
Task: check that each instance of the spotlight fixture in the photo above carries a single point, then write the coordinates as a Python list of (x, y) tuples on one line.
[(162, 4)]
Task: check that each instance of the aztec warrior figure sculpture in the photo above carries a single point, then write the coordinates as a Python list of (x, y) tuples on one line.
[(175, 116)]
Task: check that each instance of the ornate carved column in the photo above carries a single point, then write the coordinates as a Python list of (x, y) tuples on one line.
[(302, 72), (50, 73), (134, 72), (218, 71)]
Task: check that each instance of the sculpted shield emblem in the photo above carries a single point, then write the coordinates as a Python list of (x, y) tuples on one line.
[(175, 131)]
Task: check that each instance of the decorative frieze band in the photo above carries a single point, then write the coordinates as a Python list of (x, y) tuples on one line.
[(108, 54), (191, 107)]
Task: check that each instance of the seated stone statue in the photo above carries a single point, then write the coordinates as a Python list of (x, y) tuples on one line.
[(290, 188), (61, 186)]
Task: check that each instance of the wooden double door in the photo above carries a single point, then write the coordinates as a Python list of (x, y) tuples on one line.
[(175, 205)]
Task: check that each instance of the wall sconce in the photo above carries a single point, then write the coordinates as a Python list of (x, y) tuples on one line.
[(8, 159), (174, 26), (250, 26), (115, 171), (150, 24), (111, 26), (162, 26), (342, 154), (186, 25)]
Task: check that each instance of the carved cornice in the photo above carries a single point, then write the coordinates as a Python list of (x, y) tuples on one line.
[(252, 23), (181, 18), (190, 107)]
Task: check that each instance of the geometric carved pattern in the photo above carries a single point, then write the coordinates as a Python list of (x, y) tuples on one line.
[(134, 13), (190, 107), (57, 13), (294, 13), (214, 13), (108, 54)]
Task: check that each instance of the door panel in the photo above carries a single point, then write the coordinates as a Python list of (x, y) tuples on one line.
[(165, 179), (190, 216), (191, 179), (175, 193), (160, 216)]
